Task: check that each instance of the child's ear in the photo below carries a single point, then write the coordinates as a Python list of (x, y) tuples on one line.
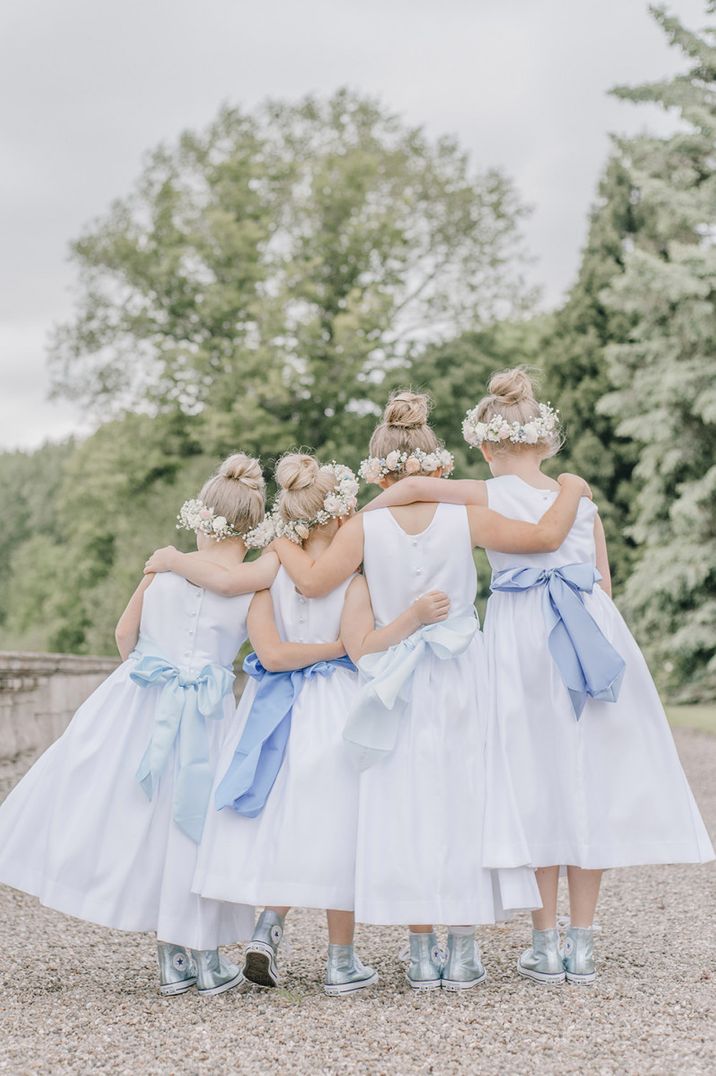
[(486, 452)]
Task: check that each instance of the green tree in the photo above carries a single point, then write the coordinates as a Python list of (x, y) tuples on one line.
[(265, 273), (664, 396)]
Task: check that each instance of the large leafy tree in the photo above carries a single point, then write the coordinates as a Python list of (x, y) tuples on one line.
[(265, 273), (664, 395)]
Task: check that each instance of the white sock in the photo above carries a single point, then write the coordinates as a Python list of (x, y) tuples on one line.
[(461, 931)]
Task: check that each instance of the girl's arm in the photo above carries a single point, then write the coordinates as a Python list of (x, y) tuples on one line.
[(600, 543), (359, 633), (423, 488), (127, 631), (493, 531), (205, 572), (275, 654), (340, 560)]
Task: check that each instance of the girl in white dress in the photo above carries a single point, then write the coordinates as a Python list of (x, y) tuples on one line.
[(592, 759), (419, 725), (106, 823), (285, 771)]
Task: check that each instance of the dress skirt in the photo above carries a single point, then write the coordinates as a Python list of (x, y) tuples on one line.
[(420, 853), (607, 790), (79, 833), (301, 849)]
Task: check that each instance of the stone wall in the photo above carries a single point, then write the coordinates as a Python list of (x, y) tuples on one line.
[(39, 693)]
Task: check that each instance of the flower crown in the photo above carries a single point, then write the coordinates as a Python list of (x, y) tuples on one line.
[(196, 516), (540, 428), (374, 468), (338, 502)]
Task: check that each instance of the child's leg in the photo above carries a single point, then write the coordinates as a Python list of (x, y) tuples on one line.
[(583, 895), (420, 929), (545, 918), (340, 927)]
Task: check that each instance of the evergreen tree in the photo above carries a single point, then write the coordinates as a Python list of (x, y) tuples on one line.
[(664, 397)]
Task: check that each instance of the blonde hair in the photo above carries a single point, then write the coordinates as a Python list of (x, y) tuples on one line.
[(237, 492), (405, 426), (511, 393), (303, 486)]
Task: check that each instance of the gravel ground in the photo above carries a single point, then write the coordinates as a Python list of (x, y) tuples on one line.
[(79, 999)]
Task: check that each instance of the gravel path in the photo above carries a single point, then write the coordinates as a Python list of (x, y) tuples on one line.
[(78, 999)]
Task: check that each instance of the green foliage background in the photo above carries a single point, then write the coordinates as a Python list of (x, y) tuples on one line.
[(270, 279)]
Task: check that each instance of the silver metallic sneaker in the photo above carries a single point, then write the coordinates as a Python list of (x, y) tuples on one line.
[(261, 964), (344, 972), (463, 968), (578, 953), (215, 974), (426, 962), (177, 971), (543, 962)]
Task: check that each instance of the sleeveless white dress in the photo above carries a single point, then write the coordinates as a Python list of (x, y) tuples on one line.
[(300, 850), (607, 790), (420, 855), (79, 832)]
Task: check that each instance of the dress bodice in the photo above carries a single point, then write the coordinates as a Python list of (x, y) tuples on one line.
[(191, 626), (400, 567), (516, 499), (306, 620)]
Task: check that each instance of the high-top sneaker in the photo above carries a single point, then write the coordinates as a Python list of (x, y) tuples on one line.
[(543, 962), (578, 953), (344, 972), (261, 964), (215, 974), (177, 971), (463, 968), (426, 961)]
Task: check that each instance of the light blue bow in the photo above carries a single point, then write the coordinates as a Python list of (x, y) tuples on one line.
[(260, 752), (372, 726), (588, 663), (183, 708)]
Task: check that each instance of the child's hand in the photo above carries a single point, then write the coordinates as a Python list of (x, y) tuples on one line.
[(161, 560), (568, 479), (432, 607)]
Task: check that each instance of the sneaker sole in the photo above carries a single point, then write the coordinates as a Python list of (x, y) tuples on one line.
[(544, 978), (171, 990), (211, 990), (580, 980), (455, 985), (260, 968), (342, 989), (424, 986)]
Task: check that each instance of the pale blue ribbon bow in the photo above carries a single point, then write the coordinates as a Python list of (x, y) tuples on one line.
[(588, 663), (260, 752), (372, 726), (185, 704)]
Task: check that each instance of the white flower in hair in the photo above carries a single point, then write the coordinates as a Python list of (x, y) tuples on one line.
[(196, 516)]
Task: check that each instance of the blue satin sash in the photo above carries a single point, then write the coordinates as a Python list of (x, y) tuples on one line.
[(246, 785), (183, 708), (588, 663), (372, 727)]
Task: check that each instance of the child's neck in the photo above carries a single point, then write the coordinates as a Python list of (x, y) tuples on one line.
[(230, 551), (523, 465), (318, 542)]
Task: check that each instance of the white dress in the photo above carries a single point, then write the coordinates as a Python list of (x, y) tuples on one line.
[(607, 790), (300, 850), (79, 832), (420, 855)]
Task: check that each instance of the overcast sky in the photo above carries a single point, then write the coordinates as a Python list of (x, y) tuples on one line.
[(87, 86)]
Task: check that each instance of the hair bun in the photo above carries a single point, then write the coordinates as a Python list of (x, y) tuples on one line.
[(296, 470), (512, 386), (408, 410), (244, 469)]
